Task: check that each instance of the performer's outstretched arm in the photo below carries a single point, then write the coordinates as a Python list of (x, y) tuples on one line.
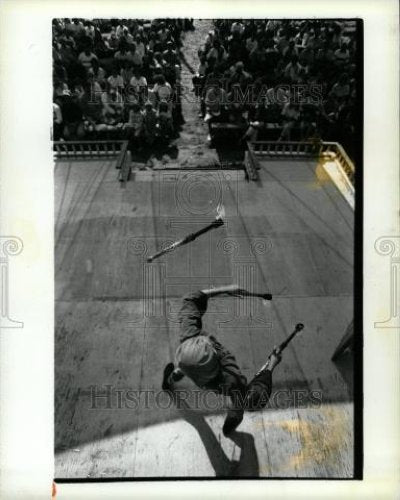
[(235, 291)]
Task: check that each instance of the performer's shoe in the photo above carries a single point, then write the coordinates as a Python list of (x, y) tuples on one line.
[(230, 424), (166, 383)]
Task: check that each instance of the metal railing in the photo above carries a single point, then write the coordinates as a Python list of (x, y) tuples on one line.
[(291, 149)]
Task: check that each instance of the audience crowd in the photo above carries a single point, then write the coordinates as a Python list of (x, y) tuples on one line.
[(297, 77), (121, 79), (117, 79)]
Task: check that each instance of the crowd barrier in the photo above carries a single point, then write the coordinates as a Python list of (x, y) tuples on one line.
[(295, 150), (96, 149)]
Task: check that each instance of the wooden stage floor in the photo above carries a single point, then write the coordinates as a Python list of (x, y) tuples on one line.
[(290, 234)]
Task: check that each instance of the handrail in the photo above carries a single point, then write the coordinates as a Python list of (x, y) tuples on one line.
[(96, 149), (301, 149), (123, 165), (87, 148)]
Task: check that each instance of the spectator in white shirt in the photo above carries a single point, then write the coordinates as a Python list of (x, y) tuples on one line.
[(291, 115), (119, 30), (138, 84), (115, 81), (128, 37), (162, 89), (140, 47), (86, 58)]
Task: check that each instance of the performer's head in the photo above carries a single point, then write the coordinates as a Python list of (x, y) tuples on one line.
[(197, 359)]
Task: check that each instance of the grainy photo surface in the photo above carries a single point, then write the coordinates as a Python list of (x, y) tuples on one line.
[(207, 177)]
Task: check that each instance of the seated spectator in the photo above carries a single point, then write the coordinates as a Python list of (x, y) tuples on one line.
[(99, 74), (306, 57), (237, 109), (140, 48), (341, 89), (112, 107), (67, 39), (127, 37), (215, 102), (137, 59), (135, 124), (217, 53), (86, 58), (115, 80), (162, 89), (281, 41), (120, 29), (72, 117), (149, 123), (237, 28), (291, 117), (76, 28), (112, 43), (209, 42), (239, 75), (89, 29), (100, 47), (163, 33), (309, 39), (251, 43), (293, 69), (170, 56), (159, 60), (260, 116), (127, 71), (199, 79), (291, 50), (138, 84), (342, 55), (165, 122), (61, 88), (123, 55)]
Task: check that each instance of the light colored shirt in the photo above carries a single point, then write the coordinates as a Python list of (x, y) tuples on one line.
[(115, 81), (163, 91), (138, 83), (86, 60)]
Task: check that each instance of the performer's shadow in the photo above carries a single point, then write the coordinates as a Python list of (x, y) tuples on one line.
[(246, 466)]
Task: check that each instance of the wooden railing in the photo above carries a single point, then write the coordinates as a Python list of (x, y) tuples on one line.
[(87, 149), (96, 149), (123, 163), (291, 149)]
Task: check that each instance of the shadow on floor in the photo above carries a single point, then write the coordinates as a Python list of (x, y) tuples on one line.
[(246, 466)]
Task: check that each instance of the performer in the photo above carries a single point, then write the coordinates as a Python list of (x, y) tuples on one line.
[(209, 364)]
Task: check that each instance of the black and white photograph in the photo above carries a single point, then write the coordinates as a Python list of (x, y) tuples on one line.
[(199, 249), (207, 262)]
